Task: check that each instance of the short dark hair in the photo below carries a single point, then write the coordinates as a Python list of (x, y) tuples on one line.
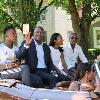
[(39, 28), (8, 28), (73, 33)]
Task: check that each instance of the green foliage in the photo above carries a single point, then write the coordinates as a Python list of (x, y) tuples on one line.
[(5, 14), (18, 12), (60, 3), (92, 54), (91, 13)]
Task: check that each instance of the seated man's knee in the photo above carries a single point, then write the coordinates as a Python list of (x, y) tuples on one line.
[(36, 81), (24, 67), (53, 78)]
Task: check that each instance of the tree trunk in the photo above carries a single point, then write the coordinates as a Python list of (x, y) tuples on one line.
[(81, 25), (84, 30), (21, 10), (74, 16)]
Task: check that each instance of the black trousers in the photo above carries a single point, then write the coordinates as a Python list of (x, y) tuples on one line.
[(46, 77), (72, 72), (62, 77)]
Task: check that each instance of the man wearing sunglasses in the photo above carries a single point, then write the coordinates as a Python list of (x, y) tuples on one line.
[(73, 52)]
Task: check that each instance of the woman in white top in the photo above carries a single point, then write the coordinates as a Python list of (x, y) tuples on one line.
[(57, 56)]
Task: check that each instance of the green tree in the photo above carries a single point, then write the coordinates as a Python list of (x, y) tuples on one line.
[(81, 25), (18, 12)]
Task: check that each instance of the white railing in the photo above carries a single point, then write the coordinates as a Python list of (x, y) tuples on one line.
[(97, 67), (29, 93)]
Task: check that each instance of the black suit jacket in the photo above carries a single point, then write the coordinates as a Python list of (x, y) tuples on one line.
[(30, 56)]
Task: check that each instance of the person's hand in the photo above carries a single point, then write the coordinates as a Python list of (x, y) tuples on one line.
[(87, 87), (11, 65), (17, 62), (73, 69), (63, 85), (66, 70), (27, 39), (93, 95)]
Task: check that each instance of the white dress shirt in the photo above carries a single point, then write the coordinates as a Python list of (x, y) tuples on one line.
[(56, 59), (40, 55), (71, 57), (55, 54)]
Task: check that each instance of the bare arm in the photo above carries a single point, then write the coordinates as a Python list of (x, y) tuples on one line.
[(7, 66), (2, 67), (63, 63)]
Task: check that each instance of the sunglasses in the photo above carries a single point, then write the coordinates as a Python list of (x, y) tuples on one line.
[(74, 38)]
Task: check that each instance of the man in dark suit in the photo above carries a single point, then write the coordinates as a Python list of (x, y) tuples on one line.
[(37, 56)]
